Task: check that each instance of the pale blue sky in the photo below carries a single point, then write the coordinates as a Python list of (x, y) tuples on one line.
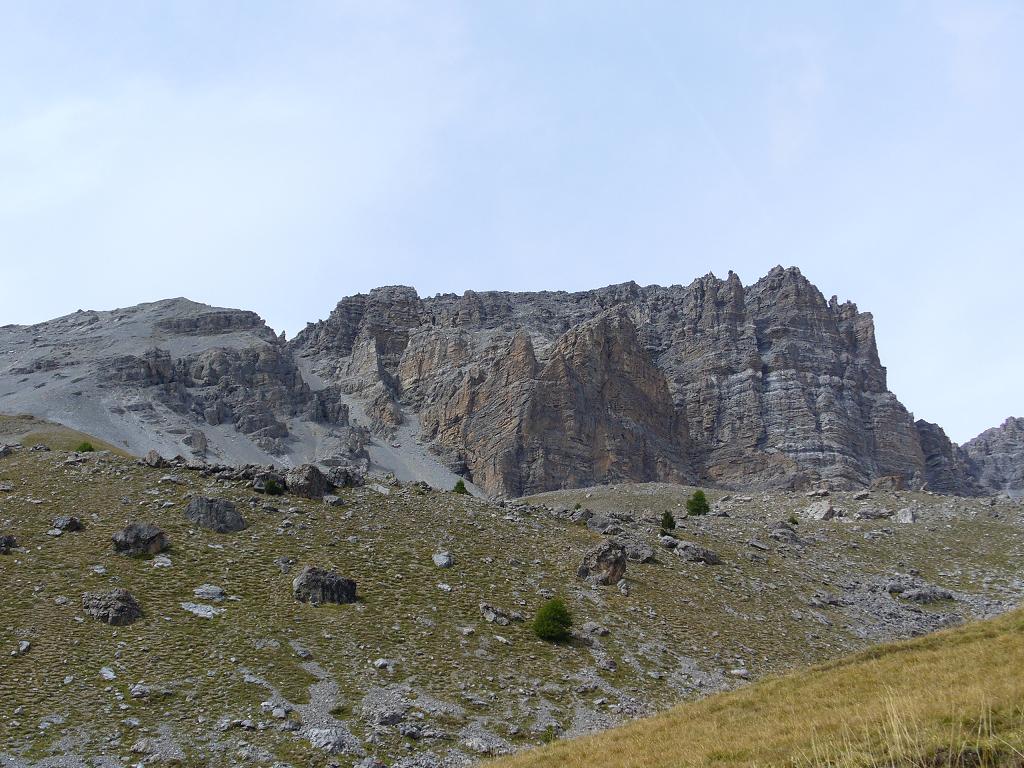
[(277, 156)]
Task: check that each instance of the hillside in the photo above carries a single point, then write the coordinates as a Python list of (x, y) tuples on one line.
[(438, 665), (954, 698), (767, 385)]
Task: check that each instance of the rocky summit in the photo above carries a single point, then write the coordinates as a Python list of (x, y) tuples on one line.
[(768, 385)]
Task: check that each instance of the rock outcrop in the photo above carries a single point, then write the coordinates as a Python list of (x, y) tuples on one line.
[(997, 456), (759, 386), (769, 385)]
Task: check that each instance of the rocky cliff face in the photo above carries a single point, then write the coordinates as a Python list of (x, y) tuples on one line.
[(766, 385), (997, 455), (176, 376)]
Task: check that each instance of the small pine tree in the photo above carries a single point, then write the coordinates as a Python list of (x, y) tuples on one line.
[(460, 487), (553, 621), (85, 447), (668, 523), (697, 504)]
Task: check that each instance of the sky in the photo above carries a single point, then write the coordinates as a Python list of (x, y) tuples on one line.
[(277, 156)]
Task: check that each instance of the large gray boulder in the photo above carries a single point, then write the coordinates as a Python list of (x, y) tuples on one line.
[(820, 510), (604, 565), (140, 539), (317, 585), (309, 482), (117, 607), (695, 553), (218, 515)]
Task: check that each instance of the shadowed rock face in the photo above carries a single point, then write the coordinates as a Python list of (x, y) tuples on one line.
[(766, 385), (997, 455)]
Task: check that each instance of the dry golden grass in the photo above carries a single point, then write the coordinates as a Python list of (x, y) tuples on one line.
[(955, 698)]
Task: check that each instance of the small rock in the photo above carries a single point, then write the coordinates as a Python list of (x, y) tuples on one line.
[(209, 592), (202, 611), (443, 559)]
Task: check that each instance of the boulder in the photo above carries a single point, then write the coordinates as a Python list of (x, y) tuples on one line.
[(873, 513), (140, 539), (502, 618), (309, 482), (317, 585), (6, 450), (155, 460), (927, 593), (269, 482), (604, 565), (695, 553), (347, 476), (67, 523), (820, 510), (888, 483), (117, 607), (637, 550), (7, 543), (218, 515), (443, 559), (783, 532), (906, 515)]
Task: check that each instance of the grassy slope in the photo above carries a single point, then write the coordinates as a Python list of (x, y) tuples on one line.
[(952, 698), (28, 430), (676, 609)]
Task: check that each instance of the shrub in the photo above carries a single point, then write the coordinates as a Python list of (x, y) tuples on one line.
[(272, 488), (85, 447), (552, 621), (697, 504), (793, 520), (668, 522), (460, 487)]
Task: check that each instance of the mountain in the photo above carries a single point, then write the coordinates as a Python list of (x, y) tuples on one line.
[(998, 457), (761, 386)]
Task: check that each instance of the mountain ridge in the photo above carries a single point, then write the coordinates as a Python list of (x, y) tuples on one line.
[(766, 385)]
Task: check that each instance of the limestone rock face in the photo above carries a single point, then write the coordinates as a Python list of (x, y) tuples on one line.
[(947, 468), (757, 386), (767, 385), (997, 456)]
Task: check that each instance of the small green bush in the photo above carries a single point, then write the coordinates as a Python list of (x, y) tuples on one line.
[(697, 504), (85, 447), (272, 488), (793, 520), (668, 522), (553, 621), (460, 487)]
